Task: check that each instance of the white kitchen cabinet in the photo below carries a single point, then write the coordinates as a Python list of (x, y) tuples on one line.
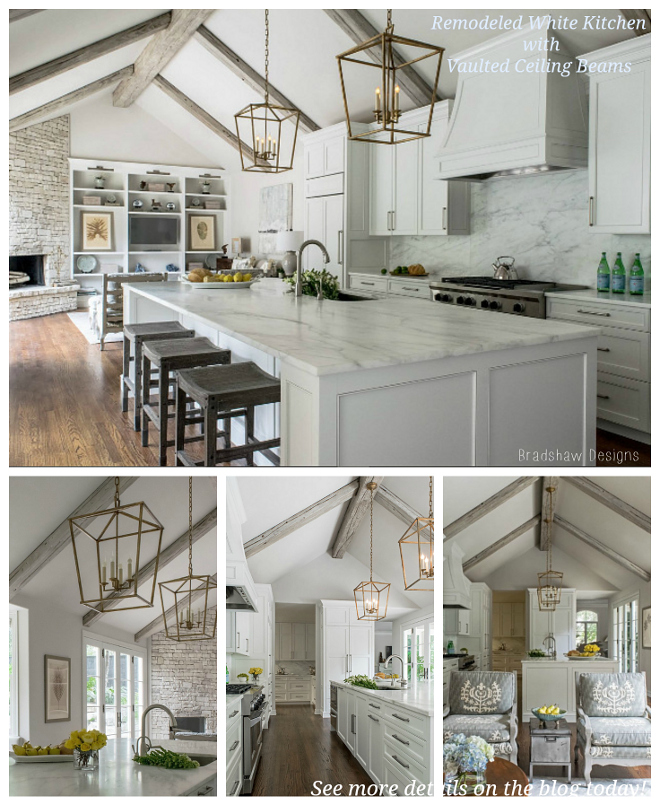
[(299, 636), (343, 696), (235, 778), (231, 631), (376, 749), (324, 157), (361, 650), (286, 641), (381, 188), (620, 140), (310, 637), (351, 721), (560, 623), (362, 728), (456, 621), (241, 623), (259, 624), (324, 221), (481, 619), (393, 188)]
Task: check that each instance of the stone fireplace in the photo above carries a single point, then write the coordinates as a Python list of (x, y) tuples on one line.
[(26, 270)]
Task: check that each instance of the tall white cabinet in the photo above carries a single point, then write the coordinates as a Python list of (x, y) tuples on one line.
[(560, 623), (295, 641), (347, 645), (620, 139), (481, 624)]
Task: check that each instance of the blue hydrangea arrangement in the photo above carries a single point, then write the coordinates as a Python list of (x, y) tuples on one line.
[(466, 754)]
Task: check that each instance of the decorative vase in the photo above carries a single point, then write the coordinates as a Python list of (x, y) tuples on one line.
[(86, 761), (468, 781), (255, 678), (99, 182), (171, 206), (206, 188)]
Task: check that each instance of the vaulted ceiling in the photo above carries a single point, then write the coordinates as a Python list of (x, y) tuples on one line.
[(301, 567), (37, 506), (515, 565), (303, 46)]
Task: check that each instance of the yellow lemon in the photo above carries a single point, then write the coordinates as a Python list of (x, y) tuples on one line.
[(18, 750), (54, 750), (43, 751), (247, 277), (31, 751), (238, 277), (543, 710)]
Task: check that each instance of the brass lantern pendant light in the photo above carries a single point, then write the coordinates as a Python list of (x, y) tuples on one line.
[(186, 610), (272, 145), (417, 551), (379, 52), (369, 594), (108, 550), (549, 587)]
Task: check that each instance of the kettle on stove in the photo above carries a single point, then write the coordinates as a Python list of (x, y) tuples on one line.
[(504, 270)]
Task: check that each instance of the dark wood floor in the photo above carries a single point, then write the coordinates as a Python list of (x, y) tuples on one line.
[(298, 750), (64, 405)]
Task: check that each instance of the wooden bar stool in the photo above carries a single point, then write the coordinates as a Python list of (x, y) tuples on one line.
[(168, 357), (223, 392), (136, 335)]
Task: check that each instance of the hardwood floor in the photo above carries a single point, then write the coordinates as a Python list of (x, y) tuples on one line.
[(64, 406), (298, 750)]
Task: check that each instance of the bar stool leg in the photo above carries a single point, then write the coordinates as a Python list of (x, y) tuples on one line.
[(180, 423), (249, 433), (137, 396), (146, 397), (126, 370), (163, 393), (210, 433)]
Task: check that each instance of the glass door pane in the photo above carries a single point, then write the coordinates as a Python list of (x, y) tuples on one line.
[(430, 631), (93, 687), (407, 653), (111, 719), (124, 692), (138, 695), (419, 652)]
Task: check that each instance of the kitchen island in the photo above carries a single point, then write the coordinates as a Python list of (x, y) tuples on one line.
[(400, 382), (118, 775), (547, 681)]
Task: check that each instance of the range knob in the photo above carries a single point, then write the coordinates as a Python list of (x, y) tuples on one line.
[(519, 307), (439, 297), (495, 305), (460, 300), (447, 297), (484, 304), (470, 302)]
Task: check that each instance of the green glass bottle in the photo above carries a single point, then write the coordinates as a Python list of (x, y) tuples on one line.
[(636, 281), (603, 278), (618, 275)]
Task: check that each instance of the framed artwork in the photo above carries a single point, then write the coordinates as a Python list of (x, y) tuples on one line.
[(275, 215), (202, 233), (57, 688), (646, 627), (236, 245), (97, 231)]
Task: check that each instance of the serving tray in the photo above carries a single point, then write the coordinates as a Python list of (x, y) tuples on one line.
[(41, 758), (227, 286)]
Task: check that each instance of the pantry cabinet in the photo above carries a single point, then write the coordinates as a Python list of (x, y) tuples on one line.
[(620, 139), (295, 641), (560, 623), (509, 619)]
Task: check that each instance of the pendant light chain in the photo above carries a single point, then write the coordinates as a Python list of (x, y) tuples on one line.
[(389, 17), (117, 491), (371, 540), (430, 497), (190, 527), (267, 53), (548, 554)]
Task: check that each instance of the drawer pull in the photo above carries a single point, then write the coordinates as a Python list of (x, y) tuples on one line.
[(235, 713), (416, 290), (234, 745), (367, 283), (591, 210), (552, 738), (603, 349), (375, 706), (401, 718), (233, 791), (400, 740), (592, 313), (400, 762), (373, 718), (603, 396)]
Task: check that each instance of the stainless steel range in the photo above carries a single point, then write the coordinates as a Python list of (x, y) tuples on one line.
[(520, 297), (253, 702), (466, 662)]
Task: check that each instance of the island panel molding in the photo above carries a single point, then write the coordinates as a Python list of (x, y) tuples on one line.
[(487, 506)]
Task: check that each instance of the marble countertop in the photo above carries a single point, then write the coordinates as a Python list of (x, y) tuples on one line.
[(566, 661), (327, 337), (592, 295), (118, 775), (418, 697)]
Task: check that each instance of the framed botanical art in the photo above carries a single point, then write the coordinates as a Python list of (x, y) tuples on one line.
[(646, 627), (57, 688), (202, 233), (97, 231)]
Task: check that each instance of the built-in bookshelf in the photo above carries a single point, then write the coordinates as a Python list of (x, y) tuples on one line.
[(130, 191)]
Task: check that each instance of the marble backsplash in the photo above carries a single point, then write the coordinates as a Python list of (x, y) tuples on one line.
[(542, 221), (295, 667)]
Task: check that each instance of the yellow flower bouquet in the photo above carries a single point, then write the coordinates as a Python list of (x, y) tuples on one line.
[(255, 673), (592, 649), (86, 745)]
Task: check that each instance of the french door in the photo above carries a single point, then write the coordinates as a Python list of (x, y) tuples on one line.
[(625, 616), (115, 688), (419, 650)]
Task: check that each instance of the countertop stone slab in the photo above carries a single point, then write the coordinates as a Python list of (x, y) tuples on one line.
[(118, 775), (592, 295), (418, 697), (324, 338)]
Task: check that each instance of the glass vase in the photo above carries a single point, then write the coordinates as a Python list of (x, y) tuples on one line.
[(86, 761), (255, 678), (468, 781)]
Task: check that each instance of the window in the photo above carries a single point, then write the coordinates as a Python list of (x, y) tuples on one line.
[(625, 624), (13, 672), (407, 653), (586, 627), (418, 648)]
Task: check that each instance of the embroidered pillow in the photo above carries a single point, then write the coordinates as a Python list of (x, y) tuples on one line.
[(481, 692), (613, 695)]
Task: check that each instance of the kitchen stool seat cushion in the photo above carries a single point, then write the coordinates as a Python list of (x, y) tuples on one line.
[(618, 731), (158, 328), (180, 350), (492, 728), (480, 692), (232, 385)]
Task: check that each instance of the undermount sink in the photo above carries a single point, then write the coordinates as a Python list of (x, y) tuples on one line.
[(351, 297), (203, 760)]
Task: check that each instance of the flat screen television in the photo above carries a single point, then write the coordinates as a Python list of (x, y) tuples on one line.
[(152, 233)]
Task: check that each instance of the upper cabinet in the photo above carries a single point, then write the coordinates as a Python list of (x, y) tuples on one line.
[(620, 139), (406, 197), (325, 157), (295, 641), (559, 623), (508, 620)]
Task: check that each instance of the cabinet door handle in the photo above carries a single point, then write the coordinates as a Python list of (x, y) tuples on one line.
[(353, 723), (375, 706), (393, 220), (373, 718), (233, 791), (368, 283), (247, 644), (400, 740), (592, 313), (444, 218), (235, 713), (401, 718), (603, 349), (234, 745), (340, 247), (410, 289), (603, 396), (591, 210), (400, 762), (238, 640)]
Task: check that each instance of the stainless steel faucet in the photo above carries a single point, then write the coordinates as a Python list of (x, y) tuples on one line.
[(143, 744), (553, 651), (404, 682), (326, 260)]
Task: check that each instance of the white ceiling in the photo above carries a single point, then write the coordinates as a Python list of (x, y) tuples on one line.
[(167, 497), (515, 566), (300, 567), (304, 44)]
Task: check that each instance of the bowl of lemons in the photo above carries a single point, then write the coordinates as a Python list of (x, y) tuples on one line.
[(203, 279), (549, 712)]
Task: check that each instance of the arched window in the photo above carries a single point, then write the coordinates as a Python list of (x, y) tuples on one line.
[(586, 627)]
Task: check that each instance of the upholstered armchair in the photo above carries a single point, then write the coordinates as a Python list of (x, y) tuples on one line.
[(484, 703), (613, 720)]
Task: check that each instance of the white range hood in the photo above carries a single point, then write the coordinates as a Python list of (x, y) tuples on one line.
[(455, 587), (515, 123), (240, 590)]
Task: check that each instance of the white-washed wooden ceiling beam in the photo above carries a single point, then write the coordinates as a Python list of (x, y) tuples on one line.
[(359, 29), (471, 517), (76, 58), (158, 624), (399, 508), (100, 499), (500, 543), (16, 14), (612, 502), (200, 529), (247, 74), (548, 506), (54, 108), (159, 52), (620, 560), (638, 14), (354, 515)]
